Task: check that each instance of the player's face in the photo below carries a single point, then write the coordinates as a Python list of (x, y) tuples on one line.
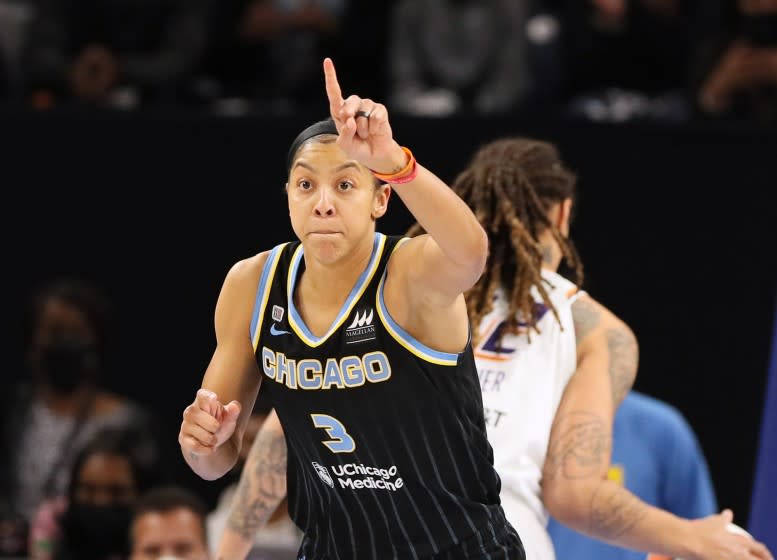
[(333, 201)]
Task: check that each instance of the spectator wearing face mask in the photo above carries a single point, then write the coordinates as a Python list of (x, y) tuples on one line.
[(92, 520), (62, 404), (169, 524)]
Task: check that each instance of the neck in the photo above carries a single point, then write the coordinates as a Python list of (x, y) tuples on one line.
[(330, 283), (551, 253)]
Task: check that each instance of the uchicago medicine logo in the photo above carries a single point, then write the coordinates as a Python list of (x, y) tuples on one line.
[(323, 474), (357, 476)]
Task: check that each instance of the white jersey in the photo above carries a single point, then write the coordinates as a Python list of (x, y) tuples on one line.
[(522, 383)]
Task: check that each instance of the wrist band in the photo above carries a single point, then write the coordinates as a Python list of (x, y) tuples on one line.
[(404, 175)]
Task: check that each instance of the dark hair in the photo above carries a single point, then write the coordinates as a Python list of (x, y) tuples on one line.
[(511, 184), (164, 499), (323, 127), (315, 131), (119, 442), (82, 295)]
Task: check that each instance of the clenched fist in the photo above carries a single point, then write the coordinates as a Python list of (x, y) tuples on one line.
[(207, 424)]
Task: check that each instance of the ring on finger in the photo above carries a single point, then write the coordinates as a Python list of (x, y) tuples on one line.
[(365, 114)]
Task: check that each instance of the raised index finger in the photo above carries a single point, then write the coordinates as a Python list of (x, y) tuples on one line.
[(332, 88)]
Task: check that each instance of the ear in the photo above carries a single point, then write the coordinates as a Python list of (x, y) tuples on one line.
[(288, 201), (564, 216), (380, 201)]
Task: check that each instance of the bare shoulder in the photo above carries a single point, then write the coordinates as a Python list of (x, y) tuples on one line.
[(244, 275), (248, 269), (599, 330), (433, 320), (239, 288), (402, 257), (397, 269), (590, 316)]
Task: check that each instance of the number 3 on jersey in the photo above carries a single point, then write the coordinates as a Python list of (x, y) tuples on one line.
[(341, 441)]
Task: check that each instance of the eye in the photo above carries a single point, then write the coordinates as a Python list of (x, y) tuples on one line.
[(344, 186), (304, 184)]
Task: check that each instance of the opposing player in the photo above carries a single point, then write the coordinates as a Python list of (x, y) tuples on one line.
[(554, 364)]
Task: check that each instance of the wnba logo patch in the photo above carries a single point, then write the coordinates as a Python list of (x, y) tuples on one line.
[(361, 328), (323, 474)]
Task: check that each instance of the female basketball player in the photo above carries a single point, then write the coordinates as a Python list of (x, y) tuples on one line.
[(554, 364), (363, 341)]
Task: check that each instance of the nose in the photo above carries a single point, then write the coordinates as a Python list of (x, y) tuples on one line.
[(324, 205)]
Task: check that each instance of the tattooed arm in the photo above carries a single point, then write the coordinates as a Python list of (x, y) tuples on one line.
[(575, 488), (605, 341), (262, 487)]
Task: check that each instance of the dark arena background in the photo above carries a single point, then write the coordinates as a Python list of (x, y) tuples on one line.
[(676, 224)]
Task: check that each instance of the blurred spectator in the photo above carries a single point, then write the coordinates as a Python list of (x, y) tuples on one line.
[(118, 52), (62, 405), (632, 58), (91, 522), (742, 75), (657, 457), (641, 45), (279, 538), (14, 18), (169, 522), (270, 51), (458, 55)]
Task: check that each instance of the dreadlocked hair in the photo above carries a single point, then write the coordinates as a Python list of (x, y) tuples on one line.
[(511, 184)]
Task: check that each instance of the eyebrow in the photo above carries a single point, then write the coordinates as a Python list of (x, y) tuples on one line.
[(347, 165), (350, 164), (301, 163)]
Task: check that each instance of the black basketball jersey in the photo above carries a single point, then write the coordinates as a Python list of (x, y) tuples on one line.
[(387, 449)]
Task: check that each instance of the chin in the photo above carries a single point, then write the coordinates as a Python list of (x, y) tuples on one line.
[(326, 251)]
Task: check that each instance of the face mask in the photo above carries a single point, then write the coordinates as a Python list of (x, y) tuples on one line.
[(67, 363), (96, 532)]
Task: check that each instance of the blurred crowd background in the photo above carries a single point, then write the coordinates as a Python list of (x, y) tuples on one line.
[(142, 146), (605, 59)]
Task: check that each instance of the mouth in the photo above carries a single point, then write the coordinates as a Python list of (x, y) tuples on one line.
[(324, 232)]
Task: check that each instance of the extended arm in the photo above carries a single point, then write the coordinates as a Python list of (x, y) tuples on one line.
[(575, 487), (429, 272)]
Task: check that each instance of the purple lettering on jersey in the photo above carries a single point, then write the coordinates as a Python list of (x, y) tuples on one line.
[(493, 344)]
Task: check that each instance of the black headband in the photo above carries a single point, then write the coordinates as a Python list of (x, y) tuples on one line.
[(327, 126)]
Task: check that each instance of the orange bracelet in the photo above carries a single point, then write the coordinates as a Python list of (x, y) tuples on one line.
[(404, 175)]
